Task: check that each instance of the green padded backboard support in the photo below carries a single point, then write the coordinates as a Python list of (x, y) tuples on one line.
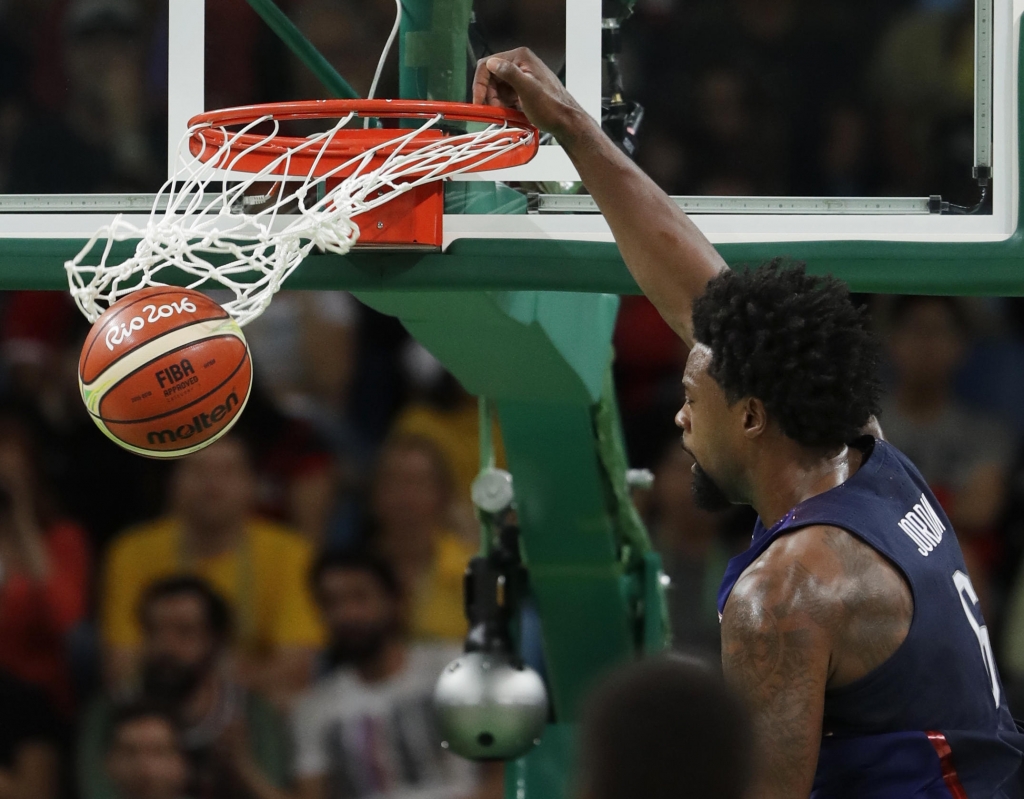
[(543, 359)]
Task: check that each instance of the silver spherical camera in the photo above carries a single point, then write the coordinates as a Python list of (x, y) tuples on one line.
[(490, 709)]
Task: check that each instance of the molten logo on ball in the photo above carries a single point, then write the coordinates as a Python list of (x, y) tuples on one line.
[(200, 422)]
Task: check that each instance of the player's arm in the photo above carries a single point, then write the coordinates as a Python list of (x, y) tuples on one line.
[(668, 256), (777, 634)]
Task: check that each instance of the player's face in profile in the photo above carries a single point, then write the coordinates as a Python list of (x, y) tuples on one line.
[(704, 420)]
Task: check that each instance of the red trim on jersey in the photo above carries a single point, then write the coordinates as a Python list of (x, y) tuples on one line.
[(949, 775)]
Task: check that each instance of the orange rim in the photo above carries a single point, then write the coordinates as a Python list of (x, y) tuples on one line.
[(254, 152)]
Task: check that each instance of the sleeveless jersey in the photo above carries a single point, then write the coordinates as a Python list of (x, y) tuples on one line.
[(932, 721)]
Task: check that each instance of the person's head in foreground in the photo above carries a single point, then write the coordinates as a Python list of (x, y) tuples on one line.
[(186, 630), (144, 755), (665, 728), (785, 366), (361, 604)]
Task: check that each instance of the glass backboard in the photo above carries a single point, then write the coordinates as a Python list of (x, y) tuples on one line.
[(189, 59)]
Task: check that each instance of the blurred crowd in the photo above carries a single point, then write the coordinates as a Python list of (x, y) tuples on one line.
[(267, 617), (789, 97)]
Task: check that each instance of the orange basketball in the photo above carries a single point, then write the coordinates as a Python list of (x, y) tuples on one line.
[(165, 372)]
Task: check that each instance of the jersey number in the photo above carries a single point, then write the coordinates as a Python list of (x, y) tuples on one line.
[(969, 599)]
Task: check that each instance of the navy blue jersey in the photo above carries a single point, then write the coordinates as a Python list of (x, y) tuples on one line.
[(932, 720)]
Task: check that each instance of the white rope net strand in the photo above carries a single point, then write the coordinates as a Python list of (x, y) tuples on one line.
[(202, 230)]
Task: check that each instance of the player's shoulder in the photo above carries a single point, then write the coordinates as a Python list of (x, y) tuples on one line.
[(805, 570), (815, 550)]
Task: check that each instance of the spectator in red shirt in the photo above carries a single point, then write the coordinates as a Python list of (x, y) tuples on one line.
[(44, 573)]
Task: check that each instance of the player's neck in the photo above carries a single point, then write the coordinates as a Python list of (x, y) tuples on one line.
[(790, 474)]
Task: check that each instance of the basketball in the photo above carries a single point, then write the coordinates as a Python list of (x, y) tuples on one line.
[(165, 372)]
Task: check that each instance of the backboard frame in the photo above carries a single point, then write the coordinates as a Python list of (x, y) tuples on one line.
[(58, 232)]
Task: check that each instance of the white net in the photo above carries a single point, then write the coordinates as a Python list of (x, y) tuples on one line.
[(207, 237)]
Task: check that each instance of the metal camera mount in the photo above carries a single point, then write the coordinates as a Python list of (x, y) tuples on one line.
[(490, 705)]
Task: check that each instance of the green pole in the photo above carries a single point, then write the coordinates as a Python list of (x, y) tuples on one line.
[(279, 23), (486, 417), (542, 360), (486, 444), (433, 57)]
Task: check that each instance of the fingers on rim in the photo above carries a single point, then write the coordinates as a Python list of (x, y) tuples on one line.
[(494, 97), (483, 82)]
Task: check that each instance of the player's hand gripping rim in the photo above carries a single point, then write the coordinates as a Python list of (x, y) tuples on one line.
[(519, 79)]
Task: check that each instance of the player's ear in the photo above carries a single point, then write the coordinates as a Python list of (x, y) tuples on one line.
[(755, 417)]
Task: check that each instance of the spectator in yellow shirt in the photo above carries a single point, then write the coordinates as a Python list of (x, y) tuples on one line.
[(259, 567), (443, 412), (412, 503)]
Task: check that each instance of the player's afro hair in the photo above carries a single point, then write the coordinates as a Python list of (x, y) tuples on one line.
[(797, 343)]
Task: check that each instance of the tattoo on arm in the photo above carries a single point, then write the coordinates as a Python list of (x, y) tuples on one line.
[(775, 651)]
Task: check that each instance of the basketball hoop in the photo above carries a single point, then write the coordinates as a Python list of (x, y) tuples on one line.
[(248, 204)]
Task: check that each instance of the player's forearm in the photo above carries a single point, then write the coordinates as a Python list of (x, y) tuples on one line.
[(668, 256)]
